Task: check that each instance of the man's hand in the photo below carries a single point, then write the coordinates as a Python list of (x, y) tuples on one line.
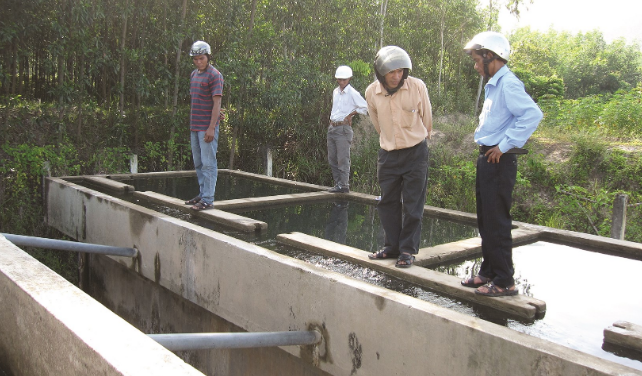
[(494, 154), (349, 117), (209, 134)]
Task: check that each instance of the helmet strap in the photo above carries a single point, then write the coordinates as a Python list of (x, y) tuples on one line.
[(487, 61)]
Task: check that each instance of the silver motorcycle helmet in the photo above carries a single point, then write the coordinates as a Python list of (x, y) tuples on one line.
[(391, 58)]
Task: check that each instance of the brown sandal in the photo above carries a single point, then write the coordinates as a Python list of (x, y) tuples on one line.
[(405, 260), (202, 205)]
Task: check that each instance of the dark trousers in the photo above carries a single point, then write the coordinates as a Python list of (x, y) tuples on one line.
[(402, 176), (494, 189)]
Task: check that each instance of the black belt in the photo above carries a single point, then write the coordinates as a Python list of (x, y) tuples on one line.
[(338, 123), (483, 149)]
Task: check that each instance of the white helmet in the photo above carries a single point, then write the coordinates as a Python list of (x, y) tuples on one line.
[(491, 41), (343, 72), (200, 48)]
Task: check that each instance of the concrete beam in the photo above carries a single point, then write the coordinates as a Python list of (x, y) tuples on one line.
[(156, 174), (277, 181), (50, 327), (520, 305), (367, 330), (214, 215), (595, 243), (110, 184), (625, 334), (273, 201)]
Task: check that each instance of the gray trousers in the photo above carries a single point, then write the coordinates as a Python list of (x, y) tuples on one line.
[(339, 141)]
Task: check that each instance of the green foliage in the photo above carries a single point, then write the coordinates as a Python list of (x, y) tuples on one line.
[(585, 209), (452, 185), (617, 116), (540, 86), (585, 63), (623, 113)]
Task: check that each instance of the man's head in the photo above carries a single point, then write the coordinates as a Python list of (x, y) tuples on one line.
[(200, 53), (490, 51), (343, 75), (392, 65)]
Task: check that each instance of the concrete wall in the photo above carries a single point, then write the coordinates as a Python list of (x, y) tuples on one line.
[(50, 327), (154, 309), (368, 330)]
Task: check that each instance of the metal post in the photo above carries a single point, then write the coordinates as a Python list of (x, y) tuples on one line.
[(65, 245), (205, 341), (133, 163), (618, 218)]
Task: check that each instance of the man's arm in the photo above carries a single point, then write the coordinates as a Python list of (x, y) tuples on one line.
[(426, 116), (216, 112), (527, 116), (372, 110)]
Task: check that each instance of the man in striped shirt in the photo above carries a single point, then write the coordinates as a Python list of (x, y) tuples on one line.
[(206, 91)]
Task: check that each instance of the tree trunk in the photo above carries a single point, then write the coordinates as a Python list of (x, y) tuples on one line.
[(384, 9), (177, 71), (121, 103), (442, 50), (252, 14)]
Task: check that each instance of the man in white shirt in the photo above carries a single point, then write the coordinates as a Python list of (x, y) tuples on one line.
[(346, 102)]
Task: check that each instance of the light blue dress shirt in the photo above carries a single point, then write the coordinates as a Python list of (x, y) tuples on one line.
[(510, 116)]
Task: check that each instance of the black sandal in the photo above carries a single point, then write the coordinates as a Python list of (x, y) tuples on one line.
[(407, 259), (202, 205), (193, 201), (383, 254), (470, 282)]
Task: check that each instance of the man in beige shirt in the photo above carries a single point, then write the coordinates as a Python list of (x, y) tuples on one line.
[(400, 110)]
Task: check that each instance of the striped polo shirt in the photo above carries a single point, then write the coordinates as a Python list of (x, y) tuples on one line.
[(203, 86)]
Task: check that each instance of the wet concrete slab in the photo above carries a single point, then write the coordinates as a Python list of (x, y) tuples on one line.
[(625, 334), (520, 305)]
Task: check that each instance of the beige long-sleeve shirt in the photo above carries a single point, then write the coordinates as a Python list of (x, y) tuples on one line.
[(403, 119)]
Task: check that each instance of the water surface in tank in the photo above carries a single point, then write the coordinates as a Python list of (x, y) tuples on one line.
[(228, 187), (585, 292)]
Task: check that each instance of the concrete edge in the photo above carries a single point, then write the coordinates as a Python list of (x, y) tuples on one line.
[(214, 215), (109, 184), (625, 334), (49, 326), (519, 305), (592, 243), (277, 181), (272, 201)]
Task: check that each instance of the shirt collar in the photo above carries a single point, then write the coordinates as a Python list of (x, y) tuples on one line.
[(379, 89), (345, 89), (499, 74)]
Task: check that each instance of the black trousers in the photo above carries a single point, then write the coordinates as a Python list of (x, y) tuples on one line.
[(402, 176), (494, 189)]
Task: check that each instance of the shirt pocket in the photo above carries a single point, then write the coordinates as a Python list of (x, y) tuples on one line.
[(409, 115)]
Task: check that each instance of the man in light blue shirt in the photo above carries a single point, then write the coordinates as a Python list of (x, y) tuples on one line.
[(346, 102), (509, 117)]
